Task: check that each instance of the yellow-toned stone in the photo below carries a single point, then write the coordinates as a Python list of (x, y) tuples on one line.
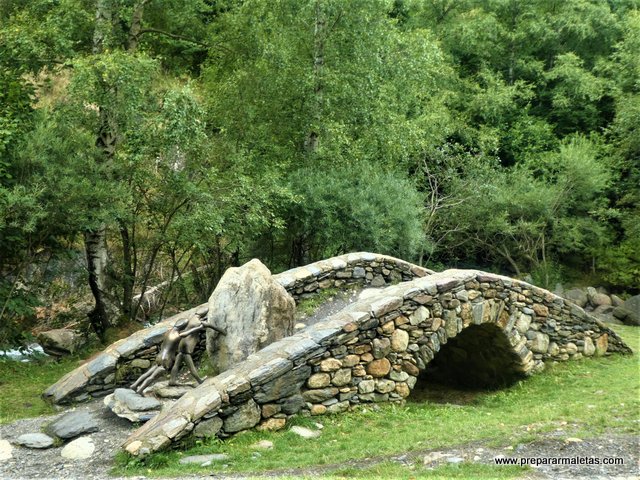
[(403, 390), (540, 310), (330, 365), (133, 447), (399, 341), (350, 327), (465, 314), (503, 319), (272, 424), (436, 324), (319, 380), (350, 361), (410, 368), (366, 357), (379, 368), (602, 344), (318, 409), (358, 371), (388, 327)]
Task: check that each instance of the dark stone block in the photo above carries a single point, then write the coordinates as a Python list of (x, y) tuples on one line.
[(293, 404), (285, 386)]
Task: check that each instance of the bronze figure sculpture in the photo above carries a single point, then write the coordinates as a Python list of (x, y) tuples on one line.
[(177, 348)]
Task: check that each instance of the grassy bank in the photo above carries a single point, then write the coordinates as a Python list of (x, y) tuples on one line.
[(22, 384), (582, 398)]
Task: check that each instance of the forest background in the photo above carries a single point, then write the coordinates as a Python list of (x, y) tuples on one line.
[(149, 141)]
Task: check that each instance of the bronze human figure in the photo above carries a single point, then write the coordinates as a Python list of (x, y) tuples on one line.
[(190, 339), (180, 340)]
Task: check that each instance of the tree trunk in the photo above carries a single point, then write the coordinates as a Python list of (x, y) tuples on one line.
[(103, 25), (507, 256), (128, 272), (311, 142), (136, 25), (95, 240), (95, 243)]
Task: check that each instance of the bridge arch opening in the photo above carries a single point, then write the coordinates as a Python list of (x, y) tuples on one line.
[(480, 357)]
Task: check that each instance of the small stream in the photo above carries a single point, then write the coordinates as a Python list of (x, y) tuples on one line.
[(26, 354)]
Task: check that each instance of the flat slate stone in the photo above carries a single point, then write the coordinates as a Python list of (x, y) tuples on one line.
[(69, 384), (164, 390), (103, 363), (35, 440), (247, 416), (135, 401), (73, 424), (128, 404)]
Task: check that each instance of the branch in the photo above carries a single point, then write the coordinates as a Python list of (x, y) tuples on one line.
[(173, 35)]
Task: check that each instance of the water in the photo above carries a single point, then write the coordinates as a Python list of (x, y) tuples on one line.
[(23, 355)]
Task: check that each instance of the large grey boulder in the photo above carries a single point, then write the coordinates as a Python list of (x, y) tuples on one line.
[(253, 309), (577, 296), (59, 342), (605, 313), (600, 300), (629, 311), (616, 301)]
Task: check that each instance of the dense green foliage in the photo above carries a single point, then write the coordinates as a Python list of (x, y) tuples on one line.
[(170, 140)]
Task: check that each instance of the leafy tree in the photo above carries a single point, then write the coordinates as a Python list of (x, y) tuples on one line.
[(100, 132), (324, 81), (620, 261)]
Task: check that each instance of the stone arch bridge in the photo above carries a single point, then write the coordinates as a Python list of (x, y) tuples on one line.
[(466, 322)]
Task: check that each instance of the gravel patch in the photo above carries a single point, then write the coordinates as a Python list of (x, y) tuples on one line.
[(48, 464)]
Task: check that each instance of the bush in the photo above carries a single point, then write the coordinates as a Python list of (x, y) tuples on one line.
[(353, 208)]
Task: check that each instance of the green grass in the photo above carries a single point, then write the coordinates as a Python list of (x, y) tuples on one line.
[(307, 306), (22, 385), (582, 398)]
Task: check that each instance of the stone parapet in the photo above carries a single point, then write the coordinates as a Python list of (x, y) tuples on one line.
[(123, 361)]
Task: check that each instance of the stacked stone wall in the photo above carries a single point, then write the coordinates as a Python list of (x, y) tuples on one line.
[(374, 350), (122, 362)]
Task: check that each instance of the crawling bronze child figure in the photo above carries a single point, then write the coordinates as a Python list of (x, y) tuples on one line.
[(177, 347)]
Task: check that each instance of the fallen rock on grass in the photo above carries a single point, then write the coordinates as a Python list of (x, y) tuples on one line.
[(202, 459), (305, 432), (263, 445)]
